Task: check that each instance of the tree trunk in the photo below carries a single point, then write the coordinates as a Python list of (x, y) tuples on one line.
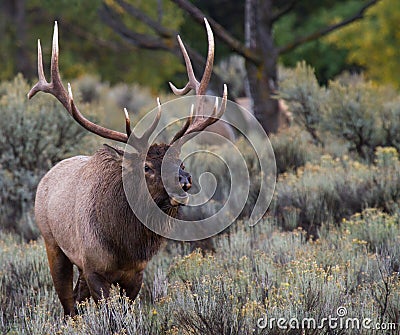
[(22, 55), (262, 78), (14, 12)]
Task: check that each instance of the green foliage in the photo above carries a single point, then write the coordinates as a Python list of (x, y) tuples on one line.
[(293, 148), (229, 14), (351, 114), (377, 231), (333, 189), (386, 157), (305, 98), (389, 119), (34, 136), (24, 283), (374, 42), (363, 114), (89, 46), (232, 71), (359, 113), (327, 58)]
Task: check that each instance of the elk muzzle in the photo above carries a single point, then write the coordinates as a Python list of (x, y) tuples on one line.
[(185, 182)]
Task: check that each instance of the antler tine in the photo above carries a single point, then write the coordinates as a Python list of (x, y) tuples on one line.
[(40, 63), (214, 114), (150, 130), (55, 86), (42, 84), (201, 122), (197, 123), (193, 82), (127, 123), (199, 87), (55, 78), (224, 102), (210, 61), (188, 122)]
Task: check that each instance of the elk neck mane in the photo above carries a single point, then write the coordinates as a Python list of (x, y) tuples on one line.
[(110, 204)]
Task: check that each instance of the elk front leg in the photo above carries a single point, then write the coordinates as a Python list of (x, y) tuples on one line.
[(99, 286), (61, 270), (132, 284)]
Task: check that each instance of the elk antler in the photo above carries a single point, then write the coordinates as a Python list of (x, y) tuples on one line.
[(57, 89), (197, 122)]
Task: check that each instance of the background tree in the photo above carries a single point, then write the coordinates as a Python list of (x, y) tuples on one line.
[(89, 45), (13, 34), (259, 47), (327, 58), (263, 32), (374, 43)]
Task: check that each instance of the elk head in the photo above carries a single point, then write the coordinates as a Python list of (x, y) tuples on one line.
[(150, 157)]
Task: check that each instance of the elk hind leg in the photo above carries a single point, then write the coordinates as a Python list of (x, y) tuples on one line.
[(61, 270), (81, 291)]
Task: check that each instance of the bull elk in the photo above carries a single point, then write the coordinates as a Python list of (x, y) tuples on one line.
[(81, 207)]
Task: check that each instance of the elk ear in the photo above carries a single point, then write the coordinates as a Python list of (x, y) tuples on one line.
[(117, 152)]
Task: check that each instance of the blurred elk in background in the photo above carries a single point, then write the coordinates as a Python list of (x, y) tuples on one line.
[(81, 207)]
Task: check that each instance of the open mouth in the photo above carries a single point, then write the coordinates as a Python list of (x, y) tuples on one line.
[(179, 200)]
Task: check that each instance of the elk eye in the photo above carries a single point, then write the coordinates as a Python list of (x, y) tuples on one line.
[(147, 168)]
